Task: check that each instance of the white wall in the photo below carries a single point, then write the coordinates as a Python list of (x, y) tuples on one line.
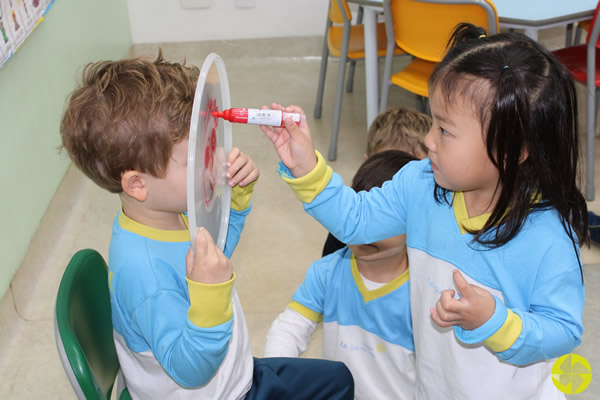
[(165, 21)]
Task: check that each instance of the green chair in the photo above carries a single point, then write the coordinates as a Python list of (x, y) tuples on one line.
[(83, 327)]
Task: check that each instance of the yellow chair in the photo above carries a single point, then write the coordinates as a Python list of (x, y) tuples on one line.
[(422, 29), (346, 41)]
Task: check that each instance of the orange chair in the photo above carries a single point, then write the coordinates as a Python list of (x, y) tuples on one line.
[(422, 29), (581, 26), (346, 41), (580, 60)]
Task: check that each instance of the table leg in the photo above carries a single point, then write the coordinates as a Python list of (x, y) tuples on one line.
[(371, 65), (569, 35)]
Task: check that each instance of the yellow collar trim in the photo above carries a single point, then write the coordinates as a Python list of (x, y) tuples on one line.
[(379, 292), (462, 216), (152, 233)]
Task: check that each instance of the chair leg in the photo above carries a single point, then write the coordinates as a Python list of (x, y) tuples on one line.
[(569, 35), (389, 56), (387, 74), (577, 35), (339, 95), (592, 107), (350, 80), (322, 73)]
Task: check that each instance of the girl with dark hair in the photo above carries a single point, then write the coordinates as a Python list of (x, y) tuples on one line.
[(493, 219)]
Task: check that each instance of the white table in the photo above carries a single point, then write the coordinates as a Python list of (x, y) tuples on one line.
[(534, 15), (530, 15)]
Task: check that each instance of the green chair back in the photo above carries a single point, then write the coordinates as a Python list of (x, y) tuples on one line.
[(83, 327)]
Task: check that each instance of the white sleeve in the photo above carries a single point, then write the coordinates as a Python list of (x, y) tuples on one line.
[(289, 334)]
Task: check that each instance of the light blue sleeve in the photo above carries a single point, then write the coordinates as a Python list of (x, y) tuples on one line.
[(237, 220), (551, 327), (364, 217), (189, 354), (311, 293)]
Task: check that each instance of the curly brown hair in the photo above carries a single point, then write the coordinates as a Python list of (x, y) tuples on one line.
[(127, 115), (398, 127)]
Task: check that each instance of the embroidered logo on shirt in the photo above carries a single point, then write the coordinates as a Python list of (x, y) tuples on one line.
[(364, 348)]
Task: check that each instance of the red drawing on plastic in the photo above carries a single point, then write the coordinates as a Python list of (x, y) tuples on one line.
[(210, 146)]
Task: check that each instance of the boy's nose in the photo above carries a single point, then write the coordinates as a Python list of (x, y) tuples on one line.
[(429, 143)]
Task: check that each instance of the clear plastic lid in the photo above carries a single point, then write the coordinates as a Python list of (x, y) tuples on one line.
[(208, 194)]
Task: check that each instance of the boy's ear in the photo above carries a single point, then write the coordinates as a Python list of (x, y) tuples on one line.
[(365, 156), (524, 155), (133, 185)]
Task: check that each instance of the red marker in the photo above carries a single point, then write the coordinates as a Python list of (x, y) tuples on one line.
[(254, 116)]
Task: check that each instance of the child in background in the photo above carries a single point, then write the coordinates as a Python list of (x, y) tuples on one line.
[(399, 129), (394, 129), (493, 219), (179, 328), (361, 294)]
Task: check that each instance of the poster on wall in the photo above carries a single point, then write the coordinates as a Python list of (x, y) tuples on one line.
[(39, 7), (18, 19)]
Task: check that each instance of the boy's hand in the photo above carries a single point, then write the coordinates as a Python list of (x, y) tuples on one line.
[(474, 308), (241, 169), (293, 142), (209, 265)]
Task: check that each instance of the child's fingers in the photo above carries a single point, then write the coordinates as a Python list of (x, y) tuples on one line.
[(447, 300), (202, 236), (446, 314), (293, 129), (303, 124), (294, 109), (233, 155), (245, 176), (189, 261), (236, 164), (245, 173), (464, 288), (436, 318)]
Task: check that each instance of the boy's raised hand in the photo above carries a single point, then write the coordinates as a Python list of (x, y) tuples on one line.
[(241, 169), (209, 265), (293, 142), (474, 308)]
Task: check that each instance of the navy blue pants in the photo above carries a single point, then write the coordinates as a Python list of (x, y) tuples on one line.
[(300, 379)]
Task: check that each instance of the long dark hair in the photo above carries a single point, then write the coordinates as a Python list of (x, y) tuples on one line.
[(379, 168), (529, 108)]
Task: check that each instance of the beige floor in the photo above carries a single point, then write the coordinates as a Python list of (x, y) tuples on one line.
[(279, 242)]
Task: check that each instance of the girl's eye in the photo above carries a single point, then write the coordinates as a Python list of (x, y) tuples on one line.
[(444, 132)]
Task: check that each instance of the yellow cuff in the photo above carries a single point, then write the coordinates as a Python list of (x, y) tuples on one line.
[(305, 311), (507, 335), (306, 188), (210, 304), (240, 196)]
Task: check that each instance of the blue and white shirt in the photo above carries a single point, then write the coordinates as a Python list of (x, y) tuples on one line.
[(369, 330), (175, 338), (535, 279)]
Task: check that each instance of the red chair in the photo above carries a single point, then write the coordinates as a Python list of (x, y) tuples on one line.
[(579, 60)]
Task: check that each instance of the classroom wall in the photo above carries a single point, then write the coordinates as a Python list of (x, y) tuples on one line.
[(166, 21), (33, 86)]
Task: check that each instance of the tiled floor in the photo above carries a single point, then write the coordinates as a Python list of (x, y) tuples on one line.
[(279, 242)]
